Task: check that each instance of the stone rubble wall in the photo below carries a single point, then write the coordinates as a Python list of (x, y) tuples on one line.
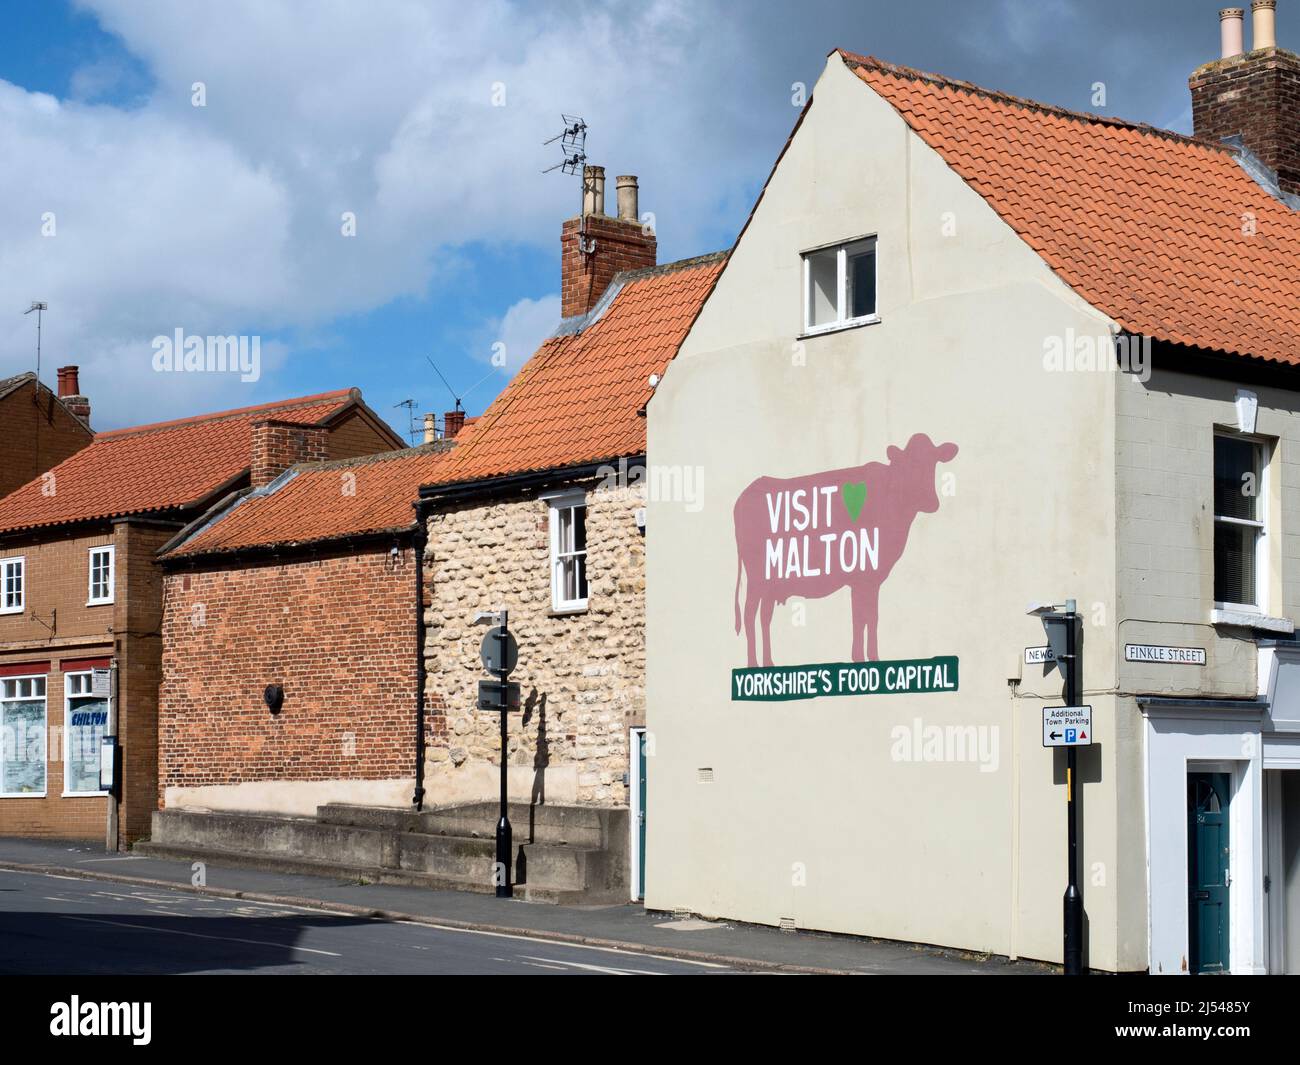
[(582, 675)]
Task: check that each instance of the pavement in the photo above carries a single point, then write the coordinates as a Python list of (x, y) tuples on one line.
[(130, 913)]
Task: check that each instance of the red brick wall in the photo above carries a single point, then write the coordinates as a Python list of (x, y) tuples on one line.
[(137, 621), (619, 246), (355, 436), (36, 433), (337, 632), (1256, 95), (277, 445)]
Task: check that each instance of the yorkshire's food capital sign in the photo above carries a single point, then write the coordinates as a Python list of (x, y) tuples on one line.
[(808, 537), (781, 683)]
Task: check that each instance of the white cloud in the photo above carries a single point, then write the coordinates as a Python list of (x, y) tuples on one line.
[(521, 330), (226, 218)]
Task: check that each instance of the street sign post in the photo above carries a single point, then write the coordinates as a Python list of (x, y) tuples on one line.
[(490, 696), (1062, 628), (1067, 726), (499, 653)]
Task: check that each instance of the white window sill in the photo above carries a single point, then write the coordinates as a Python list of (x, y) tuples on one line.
[(83, 794), (839, 327), (567, 609), (1250, 619), (12, 610), (22, 795), (99, 602)]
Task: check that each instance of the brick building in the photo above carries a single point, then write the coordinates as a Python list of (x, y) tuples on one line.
[(81, 597), (39, 429), (309, 584)]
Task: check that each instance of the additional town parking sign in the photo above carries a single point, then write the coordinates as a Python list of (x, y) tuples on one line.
[(101, 683), (1179, 656), (1067, 726)]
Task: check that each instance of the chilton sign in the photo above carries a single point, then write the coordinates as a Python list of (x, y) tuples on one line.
[(1181, 656), (905, 676)]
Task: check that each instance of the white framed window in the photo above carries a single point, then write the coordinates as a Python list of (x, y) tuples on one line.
[(22, 737), (839, 286), (101, 576), (13, 584), (85, 720), (568, 522), (1240, 522)]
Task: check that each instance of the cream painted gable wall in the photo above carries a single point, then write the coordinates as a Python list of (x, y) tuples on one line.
[(814, 810)]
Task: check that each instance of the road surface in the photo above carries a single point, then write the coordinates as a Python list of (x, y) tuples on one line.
[(57, 925)]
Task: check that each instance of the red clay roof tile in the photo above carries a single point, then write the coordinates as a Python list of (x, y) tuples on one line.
[(323, 501), (165, 467), (577, 400), (1146, 225)]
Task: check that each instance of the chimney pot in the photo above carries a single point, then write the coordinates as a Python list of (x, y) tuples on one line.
[(1232, 43), (70, 393), (593, 190), (1263, 24), (430, 428), (452, 423), (69, 381), (628, 209), (595, 247)]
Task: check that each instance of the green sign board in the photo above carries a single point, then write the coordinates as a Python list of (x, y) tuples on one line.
[(907, 676)]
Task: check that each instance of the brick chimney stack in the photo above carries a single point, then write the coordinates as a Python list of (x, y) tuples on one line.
[(1254, 95), (452, 423), (594, 247), (70, 392), (277, 445)]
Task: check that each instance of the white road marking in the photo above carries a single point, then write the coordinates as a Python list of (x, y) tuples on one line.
[(123, 858), (200, 935), (603, 969), (567, 946)]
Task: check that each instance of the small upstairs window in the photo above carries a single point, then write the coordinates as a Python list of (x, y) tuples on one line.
[(1239, 522), (12, 585), (568, 521), (840, 286), (101, 576)]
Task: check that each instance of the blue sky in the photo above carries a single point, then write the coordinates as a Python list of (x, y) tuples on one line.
[(225, 218)]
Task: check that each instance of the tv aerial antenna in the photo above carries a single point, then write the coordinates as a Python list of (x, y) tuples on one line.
[(40, 307), (410, 405), (573, 146)]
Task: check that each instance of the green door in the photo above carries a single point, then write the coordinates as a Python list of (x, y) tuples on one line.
[(640, 828), (1207, 871)]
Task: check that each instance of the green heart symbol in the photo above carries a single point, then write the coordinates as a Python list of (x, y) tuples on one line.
[(853, 496)]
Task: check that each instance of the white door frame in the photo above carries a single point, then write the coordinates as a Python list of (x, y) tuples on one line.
[(635, 769)]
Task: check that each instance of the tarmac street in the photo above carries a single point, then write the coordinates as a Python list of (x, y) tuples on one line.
[(56, 925)]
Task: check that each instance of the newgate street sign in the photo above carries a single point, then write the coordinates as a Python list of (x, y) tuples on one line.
[(908, 676)]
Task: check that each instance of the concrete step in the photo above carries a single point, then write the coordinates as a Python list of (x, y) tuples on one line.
[(578, 826), (379, 844), (360, 874)]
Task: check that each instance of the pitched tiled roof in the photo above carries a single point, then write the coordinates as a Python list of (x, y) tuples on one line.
[(1145, 225), (323, 501), (577, 399), (162, 468), (8, 384)]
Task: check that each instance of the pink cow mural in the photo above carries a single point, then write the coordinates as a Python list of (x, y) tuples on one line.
[(811, 536)]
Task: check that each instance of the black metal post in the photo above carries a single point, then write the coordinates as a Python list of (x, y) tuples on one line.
[(1073, 902), (505, 843)]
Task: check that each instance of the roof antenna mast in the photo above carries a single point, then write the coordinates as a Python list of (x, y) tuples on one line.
[(39, 307), (573, 145)]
